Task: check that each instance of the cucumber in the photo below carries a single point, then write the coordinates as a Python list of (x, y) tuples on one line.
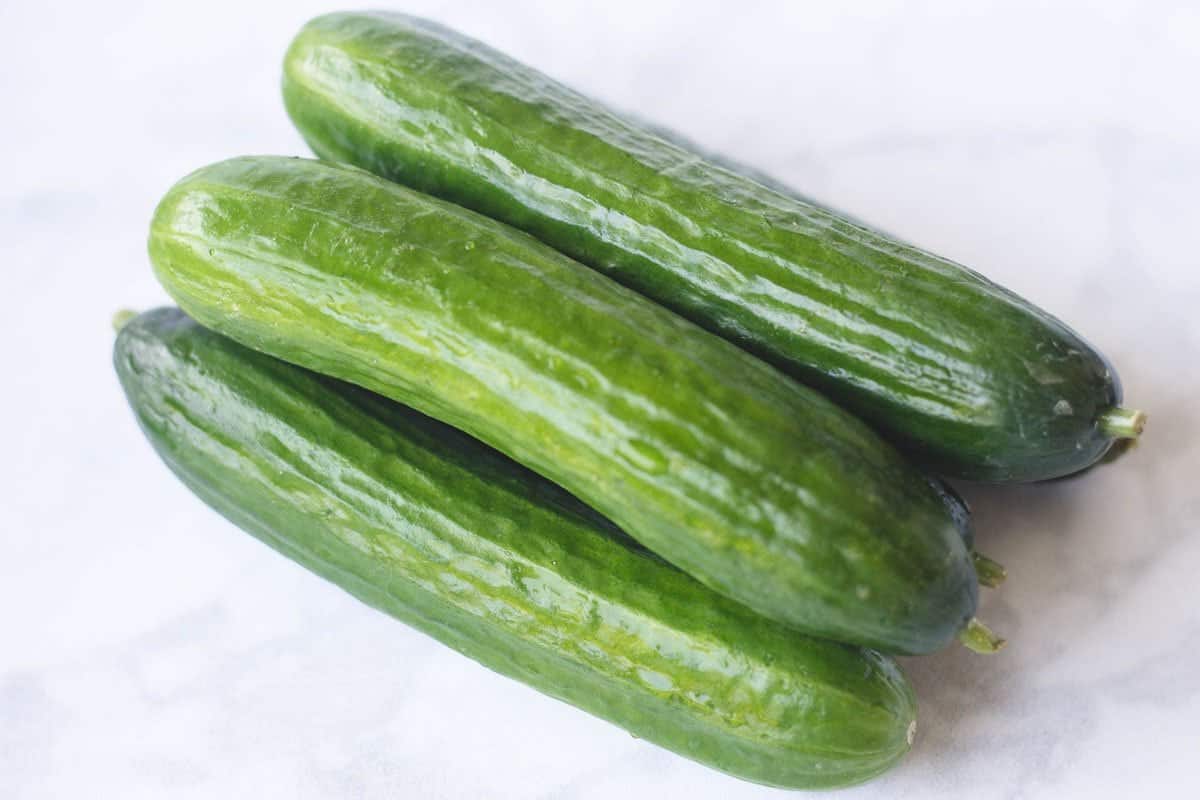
[(972, 380), (431, 527), (756, 485)]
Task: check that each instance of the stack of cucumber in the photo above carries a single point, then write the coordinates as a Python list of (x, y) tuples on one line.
[(613, 420)]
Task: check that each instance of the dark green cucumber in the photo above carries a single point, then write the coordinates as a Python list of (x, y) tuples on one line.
[(758, 486), (431, 527), (971, 379)]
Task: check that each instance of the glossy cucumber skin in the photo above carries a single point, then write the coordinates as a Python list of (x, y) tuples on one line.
[(756, 485), (969, 378), (433, 528)]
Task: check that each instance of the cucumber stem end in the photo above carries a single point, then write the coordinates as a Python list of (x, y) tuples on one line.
[(1123, 423), (990, 573), (121, 319), (978, 638)]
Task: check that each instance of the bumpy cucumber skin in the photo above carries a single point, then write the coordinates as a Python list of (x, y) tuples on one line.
[(429, 526), (756, 485), (972, 380)]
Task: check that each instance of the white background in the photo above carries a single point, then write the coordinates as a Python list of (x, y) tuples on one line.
[(148, 649)]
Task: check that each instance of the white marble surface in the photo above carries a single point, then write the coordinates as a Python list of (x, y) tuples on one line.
[(149, 649)]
